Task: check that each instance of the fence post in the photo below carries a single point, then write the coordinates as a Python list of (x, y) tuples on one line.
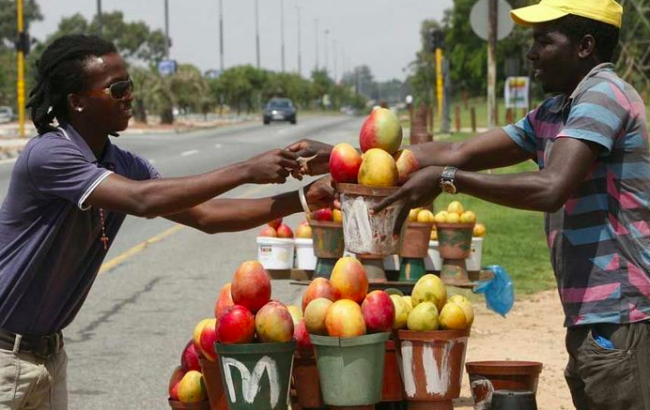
[(473, 115)]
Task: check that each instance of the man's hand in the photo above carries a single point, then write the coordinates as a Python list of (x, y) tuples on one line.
[(320, 194), (271, 167), (420, 189), (307, 148)]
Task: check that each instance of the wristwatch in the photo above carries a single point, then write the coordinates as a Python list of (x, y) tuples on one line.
[(448, 180)]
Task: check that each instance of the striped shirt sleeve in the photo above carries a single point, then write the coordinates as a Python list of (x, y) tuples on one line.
[(597, 115), (522, 133)]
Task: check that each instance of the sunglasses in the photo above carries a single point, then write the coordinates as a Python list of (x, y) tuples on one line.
[(118, 91)]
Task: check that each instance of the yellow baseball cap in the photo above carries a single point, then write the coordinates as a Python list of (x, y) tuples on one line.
[(606, 11)]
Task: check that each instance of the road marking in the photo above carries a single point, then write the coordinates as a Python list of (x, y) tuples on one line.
[(188, 153), (139, 248), (124, 256), (218, 146)]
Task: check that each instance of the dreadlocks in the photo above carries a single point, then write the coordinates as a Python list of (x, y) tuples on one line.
[(59, 72)]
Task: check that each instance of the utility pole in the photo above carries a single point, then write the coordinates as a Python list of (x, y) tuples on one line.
[(100, 19), (282, 31), (299, 44), (221, 35), (21, 48), (167, 29), (335, 53), (327, 32), (492, 63), (257, 32), (316, 37)]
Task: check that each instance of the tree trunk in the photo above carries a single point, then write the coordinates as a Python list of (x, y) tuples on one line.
[(167, 116), (139, 112)]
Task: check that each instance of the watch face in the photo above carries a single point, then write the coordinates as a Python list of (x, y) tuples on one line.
[(448, 187)]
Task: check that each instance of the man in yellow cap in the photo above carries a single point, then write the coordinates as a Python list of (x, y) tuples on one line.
[(590, 141)]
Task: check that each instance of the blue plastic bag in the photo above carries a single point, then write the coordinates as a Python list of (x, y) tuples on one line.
[(499, 293)]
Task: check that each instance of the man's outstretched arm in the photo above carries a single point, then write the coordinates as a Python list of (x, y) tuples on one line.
[(166, 196), (231, 215)]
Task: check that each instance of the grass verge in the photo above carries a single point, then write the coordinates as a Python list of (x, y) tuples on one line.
[(515, 239)]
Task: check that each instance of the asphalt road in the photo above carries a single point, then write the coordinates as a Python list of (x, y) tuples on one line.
[(129, 335)]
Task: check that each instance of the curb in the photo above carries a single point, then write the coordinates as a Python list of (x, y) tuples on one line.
[(9, 153)]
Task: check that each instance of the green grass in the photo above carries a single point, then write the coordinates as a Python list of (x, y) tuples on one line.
[(515, 239)]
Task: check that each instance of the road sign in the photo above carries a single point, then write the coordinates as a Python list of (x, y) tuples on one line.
[(478, 18), (516, 92), (213, 74), (166, 67)]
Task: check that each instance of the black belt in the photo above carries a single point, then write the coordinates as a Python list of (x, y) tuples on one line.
[(39, 346)]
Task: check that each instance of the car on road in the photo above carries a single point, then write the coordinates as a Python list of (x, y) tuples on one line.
[(280, 109), (6, 114)]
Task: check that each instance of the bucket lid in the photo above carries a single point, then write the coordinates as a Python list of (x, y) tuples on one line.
[(446, 225), (254, 348), (267, 240), (503, 367), (356, 189), (370, 339), (326, 224), (432, 335)]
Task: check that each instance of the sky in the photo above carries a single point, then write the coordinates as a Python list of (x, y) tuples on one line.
[(383, 34)]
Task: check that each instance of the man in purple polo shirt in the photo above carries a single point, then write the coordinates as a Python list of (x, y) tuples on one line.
[(591, 144), (70, 191)]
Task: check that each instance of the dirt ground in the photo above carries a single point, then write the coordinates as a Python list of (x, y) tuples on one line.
[(531, 331)]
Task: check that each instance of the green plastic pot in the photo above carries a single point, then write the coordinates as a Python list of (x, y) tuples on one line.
[(256, 376), (350, 369)]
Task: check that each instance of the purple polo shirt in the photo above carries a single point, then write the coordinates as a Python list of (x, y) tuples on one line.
[(50, 248)]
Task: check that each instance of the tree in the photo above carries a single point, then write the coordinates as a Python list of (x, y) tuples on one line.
[(8, 32), (466, 52), (8, 22)]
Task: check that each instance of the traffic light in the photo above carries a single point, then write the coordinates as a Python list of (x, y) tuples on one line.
[(23, 43), (435, 39)]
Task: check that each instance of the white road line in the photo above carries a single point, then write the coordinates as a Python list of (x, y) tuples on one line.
[(188, 153)]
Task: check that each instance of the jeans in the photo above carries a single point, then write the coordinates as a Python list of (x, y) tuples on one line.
[(31, 383), (609, 378)]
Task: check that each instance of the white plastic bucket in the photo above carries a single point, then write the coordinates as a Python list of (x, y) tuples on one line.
[(305, 258), (473, 263), (275, 253), (391, 262), (433, 262)]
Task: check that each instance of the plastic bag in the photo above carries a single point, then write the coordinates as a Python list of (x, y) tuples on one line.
[(499, 292)]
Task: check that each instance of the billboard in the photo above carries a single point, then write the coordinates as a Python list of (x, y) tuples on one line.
[(516, 92)]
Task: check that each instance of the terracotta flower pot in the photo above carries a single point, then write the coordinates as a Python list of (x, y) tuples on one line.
[(455, 240), (432, 367), (306, 380), (369, 233), (214, 384), (485, 377), (328, 239), (415, 243), (177, 405), (392, 387)]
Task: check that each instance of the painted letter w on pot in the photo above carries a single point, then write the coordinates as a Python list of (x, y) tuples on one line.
[(251, 382)]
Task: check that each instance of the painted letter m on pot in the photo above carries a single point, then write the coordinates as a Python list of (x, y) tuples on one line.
[(250, 381)]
